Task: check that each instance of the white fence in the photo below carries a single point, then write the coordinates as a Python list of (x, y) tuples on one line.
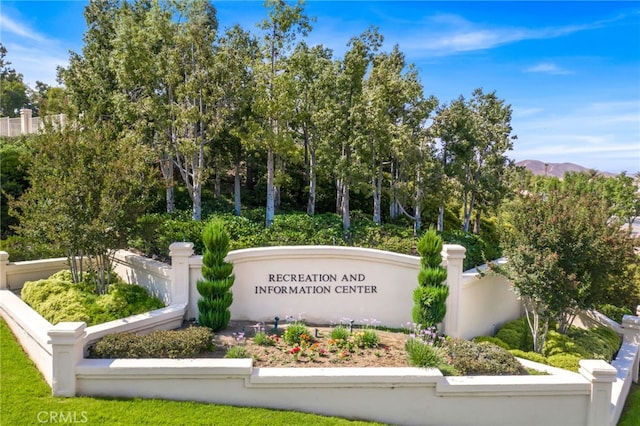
[(595, 396), (26, 124)]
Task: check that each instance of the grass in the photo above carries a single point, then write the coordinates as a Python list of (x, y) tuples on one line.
[(631, 414), (25, 398)]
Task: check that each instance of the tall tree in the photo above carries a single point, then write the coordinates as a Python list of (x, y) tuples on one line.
[(274, 102), (144, 35), (348, 116), (89, 80), (314, 81), (236, 52), (476, 135), (195, 93)]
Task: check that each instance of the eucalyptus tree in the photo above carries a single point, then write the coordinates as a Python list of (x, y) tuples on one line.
[(274, 89), (192, 60), (314, 76), (89, 80), (450, 127), (144, 34), (484, 160), (396, 115), (475, 135), (237, 50), (348, 117), (414, 167)]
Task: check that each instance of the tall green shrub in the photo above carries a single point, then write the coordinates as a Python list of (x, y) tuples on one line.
[(215, 287), (430, 297)]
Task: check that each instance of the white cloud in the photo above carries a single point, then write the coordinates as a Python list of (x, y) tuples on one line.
[(548, 68), (20, 29), (442, 35), (32, 54), (603, 135)]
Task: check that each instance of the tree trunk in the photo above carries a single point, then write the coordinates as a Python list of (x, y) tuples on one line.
[(393, 205), (417, 213), (377, 197), (217, 185), (311, 205), (346, 218), (236, 190), (339, 189), (476, 224), (440, 225), (270, 213)]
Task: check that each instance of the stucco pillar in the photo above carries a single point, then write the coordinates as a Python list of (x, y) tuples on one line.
[(180, 254), (601, 375), (631, 330), (67, 345), (4, 263), (25, 121), (452, 257)]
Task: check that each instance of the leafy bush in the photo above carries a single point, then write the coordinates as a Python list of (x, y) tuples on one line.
[(557, 343), (569, 362), (237, 352), (478, 359), (264, 339), (531, 356), (296, 332), (367, 338), (491, 339), (339, 333), (185, 343), (58, 299), (598, 343), (614, 312), (516, 335), (478, 251), (22, 248), (423, 355)]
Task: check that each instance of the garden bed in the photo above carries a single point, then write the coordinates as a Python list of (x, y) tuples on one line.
[(319, 351)]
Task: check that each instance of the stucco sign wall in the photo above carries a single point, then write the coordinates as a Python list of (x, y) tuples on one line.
[(322, 284)]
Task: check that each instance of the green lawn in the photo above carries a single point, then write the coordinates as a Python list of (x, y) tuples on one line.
[(631, 414), (25, 399)]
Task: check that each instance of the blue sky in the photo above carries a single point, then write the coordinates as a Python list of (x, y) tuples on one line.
[(570, 70)]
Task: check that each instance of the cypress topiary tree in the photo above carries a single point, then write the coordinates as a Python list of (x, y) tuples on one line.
[(430, 297), (215, 287)]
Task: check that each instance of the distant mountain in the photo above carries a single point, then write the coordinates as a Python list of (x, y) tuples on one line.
[(555, 169)]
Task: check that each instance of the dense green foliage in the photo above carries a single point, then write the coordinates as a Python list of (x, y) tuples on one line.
[(480, 359), (614, 312), (560, 350), (58, 298), (185, 343), (430, 297), (155, 232), (215, 287)]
